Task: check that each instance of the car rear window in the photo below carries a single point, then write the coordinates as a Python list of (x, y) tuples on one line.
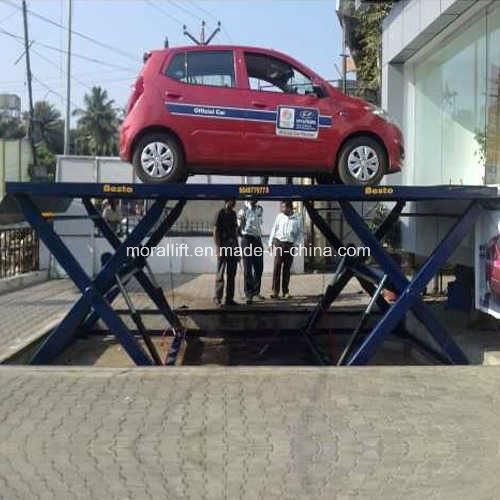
[(203, 68)]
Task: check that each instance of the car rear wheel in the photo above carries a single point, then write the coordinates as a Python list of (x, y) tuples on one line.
[(158, 159), (362, 161)]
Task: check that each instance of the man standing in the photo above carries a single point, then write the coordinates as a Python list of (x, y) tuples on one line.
[(286, 233), (250, 226), (113, 215), (226, 245)]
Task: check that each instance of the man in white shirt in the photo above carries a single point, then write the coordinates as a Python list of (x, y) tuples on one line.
[(286, 233), (250, 219)]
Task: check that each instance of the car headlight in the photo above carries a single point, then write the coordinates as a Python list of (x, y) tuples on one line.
[(380, 112)]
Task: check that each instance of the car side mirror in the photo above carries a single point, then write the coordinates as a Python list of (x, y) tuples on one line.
[(319, 91)]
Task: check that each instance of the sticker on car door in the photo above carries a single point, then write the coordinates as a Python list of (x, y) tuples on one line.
[(292, 121)]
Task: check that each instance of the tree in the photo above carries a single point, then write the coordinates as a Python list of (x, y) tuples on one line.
[(48, 127), (11, 128), (48, 132), (369, 37), (98, 123)]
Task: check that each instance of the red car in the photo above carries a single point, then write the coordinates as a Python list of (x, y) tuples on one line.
[(249, 111), (493, 265)]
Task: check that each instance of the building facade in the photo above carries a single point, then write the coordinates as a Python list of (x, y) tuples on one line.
[(10, 106), (441, 83)]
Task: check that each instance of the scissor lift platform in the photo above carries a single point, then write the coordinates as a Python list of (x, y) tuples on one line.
[(98, 295)]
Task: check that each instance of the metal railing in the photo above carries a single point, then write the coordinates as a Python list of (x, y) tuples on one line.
[(19, 251)]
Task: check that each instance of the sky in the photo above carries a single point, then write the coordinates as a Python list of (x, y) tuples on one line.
[(307, 30)]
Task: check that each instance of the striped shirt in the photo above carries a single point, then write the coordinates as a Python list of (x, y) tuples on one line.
[(250, 220)]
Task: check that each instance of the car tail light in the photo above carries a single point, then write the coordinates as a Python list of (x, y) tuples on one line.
[(137, 90)]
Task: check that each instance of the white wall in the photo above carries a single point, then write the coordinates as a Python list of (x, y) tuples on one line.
[(413, 32), (80, 236)]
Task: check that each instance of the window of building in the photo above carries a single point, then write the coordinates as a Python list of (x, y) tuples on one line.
[(457, 107), (450, 110), (492, 133), (269, 74), (214, 68)]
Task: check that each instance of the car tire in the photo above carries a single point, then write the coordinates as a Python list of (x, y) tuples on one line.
[(362, 161), (158, 159)]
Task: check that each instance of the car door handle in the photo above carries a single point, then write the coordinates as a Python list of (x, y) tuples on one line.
[(173, 95), (259, 104)]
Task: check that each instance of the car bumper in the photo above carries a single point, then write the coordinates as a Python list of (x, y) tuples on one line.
[(396, 151)]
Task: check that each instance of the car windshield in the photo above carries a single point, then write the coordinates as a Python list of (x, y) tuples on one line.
[(267, 73)]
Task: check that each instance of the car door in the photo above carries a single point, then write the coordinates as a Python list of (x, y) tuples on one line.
[(292, 122), (200, 89)]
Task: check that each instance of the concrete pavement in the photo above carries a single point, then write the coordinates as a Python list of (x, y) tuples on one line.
[(270, 433), (28, 313)]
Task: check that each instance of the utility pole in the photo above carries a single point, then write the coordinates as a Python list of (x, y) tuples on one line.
[(202, 40), (344, 57), (30, 87), (67, 122)]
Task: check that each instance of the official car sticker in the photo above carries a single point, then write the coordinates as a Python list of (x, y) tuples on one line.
[(243, 114), (297, 122)]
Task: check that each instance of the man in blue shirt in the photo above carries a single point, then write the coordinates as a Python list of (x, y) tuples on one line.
[(250, 219), (287, 232)]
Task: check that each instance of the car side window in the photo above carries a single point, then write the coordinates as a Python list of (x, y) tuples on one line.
[(266, 73), (215, 68)]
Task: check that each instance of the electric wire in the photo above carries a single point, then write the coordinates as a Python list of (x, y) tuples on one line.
[(183, 9), (202, 9), (73, 54), (164, 12), (74, 32), (211, 15)]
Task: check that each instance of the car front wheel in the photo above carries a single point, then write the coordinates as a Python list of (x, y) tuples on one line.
[(362, 161), (158, 159)]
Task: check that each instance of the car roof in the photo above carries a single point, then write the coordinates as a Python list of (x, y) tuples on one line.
[(263, 50), (182, 48), (217, 47)]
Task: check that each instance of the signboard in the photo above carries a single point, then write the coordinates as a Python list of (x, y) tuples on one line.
[(487, 263), (293, 121)]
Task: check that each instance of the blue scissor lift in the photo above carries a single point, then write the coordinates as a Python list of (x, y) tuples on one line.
[(98, 294)]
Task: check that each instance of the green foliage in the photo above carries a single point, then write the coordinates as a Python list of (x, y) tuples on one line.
[(11, 128), (46, 159), (480, 138), (97, 130), (369, 35), (392, 239), (48, 127)]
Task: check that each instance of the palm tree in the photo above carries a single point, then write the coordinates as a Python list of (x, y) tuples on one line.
[(48, 126), (98, 122)]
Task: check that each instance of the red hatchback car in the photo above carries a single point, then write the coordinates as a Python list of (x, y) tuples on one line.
[(248, 111), (493, 265)]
